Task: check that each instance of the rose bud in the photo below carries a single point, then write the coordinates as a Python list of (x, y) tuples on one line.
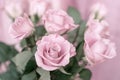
[(13, 8), (58, 21), (21, 28), (98, 11), (98, 51), (38, 7)]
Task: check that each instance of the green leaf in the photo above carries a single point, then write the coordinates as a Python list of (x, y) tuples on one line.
[(63, 71), (31, 65), (40, 31), (81, 31), (11, 73), (85, 74), (6, 52), (45, 75), (58, 75), (80, 51), (23, 43), (73, 66), (30, 76), (22, 59), (80, 40), (34, 49), (77, 35), (72, 35), (35, 19), (74, 13), (31, 41)]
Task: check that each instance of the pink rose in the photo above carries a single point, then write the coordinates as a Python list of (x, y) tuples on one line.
[(98, 29), (98, 46), (58, 21), (53, 52), (38, 7), (21, 28), (100, 50), (98, 10)]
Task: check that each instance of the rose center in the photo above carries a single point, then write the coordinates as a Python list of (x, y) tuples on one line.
[(54, 50)]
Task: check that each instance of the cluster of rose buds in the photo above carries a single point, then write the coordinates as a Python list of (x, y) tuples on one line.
[(15, 8), (98, 46)]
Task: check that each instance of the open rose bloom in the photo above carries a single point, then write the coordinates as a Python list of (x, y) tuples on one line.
[(53, 52)]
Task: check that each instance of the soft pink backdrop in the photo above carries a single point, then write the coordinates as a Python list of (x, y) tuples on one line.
[(109, 70)]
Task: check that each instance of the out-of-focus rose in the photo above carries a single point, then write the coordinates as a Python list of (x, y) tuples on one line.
[(21, 28), (96, 30), (98, 46), (58, 21), (53, 52), (98, 11), (3, 67), (56, 4), (38, 7), (100, 50), (13, 8)]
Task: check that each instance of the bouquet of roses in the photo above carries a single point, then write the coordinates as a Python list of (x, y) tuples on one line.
[(56, 45)]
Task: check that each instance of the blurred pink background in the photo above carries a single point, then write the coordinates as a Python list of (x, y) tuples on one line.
[(110, 69)]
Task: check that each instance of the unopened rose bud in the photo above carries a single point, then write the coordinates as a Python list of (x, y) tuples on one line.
[(98, 11), (38, 7), (58, 21), (21, 28), (13, 8)]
